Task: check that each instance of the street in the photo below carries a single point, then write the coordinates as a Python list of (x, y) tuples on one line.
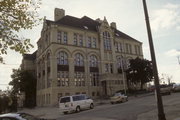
[(134, 109)]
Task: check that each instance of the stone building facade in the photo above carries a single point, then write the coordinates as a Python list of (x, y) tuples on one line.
[(81, 56)]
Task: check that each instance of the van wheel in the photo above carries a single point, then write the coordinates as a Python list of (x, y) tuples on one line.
[(78, 109), (65, 113), (91, 106)]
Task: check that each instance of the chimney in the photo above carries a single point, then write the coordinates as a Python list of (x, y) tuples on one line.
[(58, 14), (113, 25), (98, 20)]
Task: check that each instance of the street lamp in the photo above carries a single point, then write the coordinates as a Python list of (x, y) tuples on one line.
[(161, 115)]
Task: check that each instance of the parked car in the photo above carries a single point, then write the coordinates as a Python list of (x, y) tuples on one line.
[(75, 103), (165, 89), (18, 116), (176, 88), (118, 98)]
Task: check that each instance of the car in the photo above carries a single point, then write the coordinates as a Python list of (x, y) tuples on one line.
[(75, 103), (118, 98), (176, 88), (18, 116), (165, 89)]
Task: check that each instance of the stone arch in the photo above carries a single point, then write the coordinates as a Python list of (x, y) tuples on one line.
[(95, 54), (79, 51), (62, 49)]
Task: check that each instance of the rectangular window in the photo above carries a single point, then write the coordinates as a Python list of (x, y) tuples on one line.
[(109, 44), (130, 49), (62, 78), (111, 68), (106, 68), (79, 79), (94, 79), (89, 42), (116, 46), (75, 39), (135, 49), (59, 37), (127, 48), (65, 38), (80, 40), (120, 47), (94, 43)]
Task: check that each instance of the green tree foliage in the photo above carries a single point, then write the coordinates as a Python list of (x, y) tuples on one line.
[(16, 15), (139, 71), (24, 81)]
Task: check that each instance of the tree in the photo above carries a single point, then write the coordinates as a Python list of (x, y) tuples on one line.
[(24, 81), (16, 15), (165, 78), (139, 71)]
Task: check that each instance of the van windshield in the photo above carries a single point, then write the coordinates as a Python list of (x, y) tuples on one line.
[(65, 99)]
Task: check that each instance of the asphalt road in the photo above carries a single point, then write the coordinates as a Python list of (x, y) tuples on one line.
[(124, 111)]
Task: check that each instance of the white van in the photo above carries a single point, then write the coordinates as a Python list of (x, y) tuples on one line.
[(75, 103)]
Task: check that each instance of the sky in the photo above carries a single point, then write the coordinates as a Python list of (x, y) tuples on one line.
[(164, 16)]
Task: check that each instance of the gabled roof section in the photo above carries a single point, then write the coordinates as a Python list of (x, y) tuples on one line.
[(123, 35), (83, 23)]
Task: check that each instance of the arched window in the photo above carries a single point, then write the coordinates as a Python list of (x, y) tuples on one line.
[(78, 60), (62, 58), (107, 42), (93, 61)]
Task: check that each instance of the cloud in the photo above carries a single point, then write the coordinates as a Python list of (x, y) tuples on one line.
[(167, 17), (173, 52)]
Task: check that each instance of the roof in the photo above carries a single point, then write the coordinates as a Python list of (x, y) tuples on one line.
[(85, 23), (123, 35), (30, 56)]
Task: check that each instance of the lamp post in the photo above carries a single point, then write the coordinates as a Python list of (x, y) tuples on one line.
[(161, 115)]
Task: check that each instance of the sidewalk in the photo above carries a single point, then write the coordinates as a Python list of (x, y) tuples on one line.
[(43, 112), (172, 112)]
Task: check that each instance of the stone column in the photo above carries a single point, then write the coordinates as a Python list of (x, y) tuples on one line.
[(102, 68), (53, 78), (71, 71), (87, 75), (53, 75), (113, 55)]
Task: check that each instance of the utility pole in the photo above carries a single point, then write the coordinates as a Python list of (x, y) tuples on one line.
[(161, 115)]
